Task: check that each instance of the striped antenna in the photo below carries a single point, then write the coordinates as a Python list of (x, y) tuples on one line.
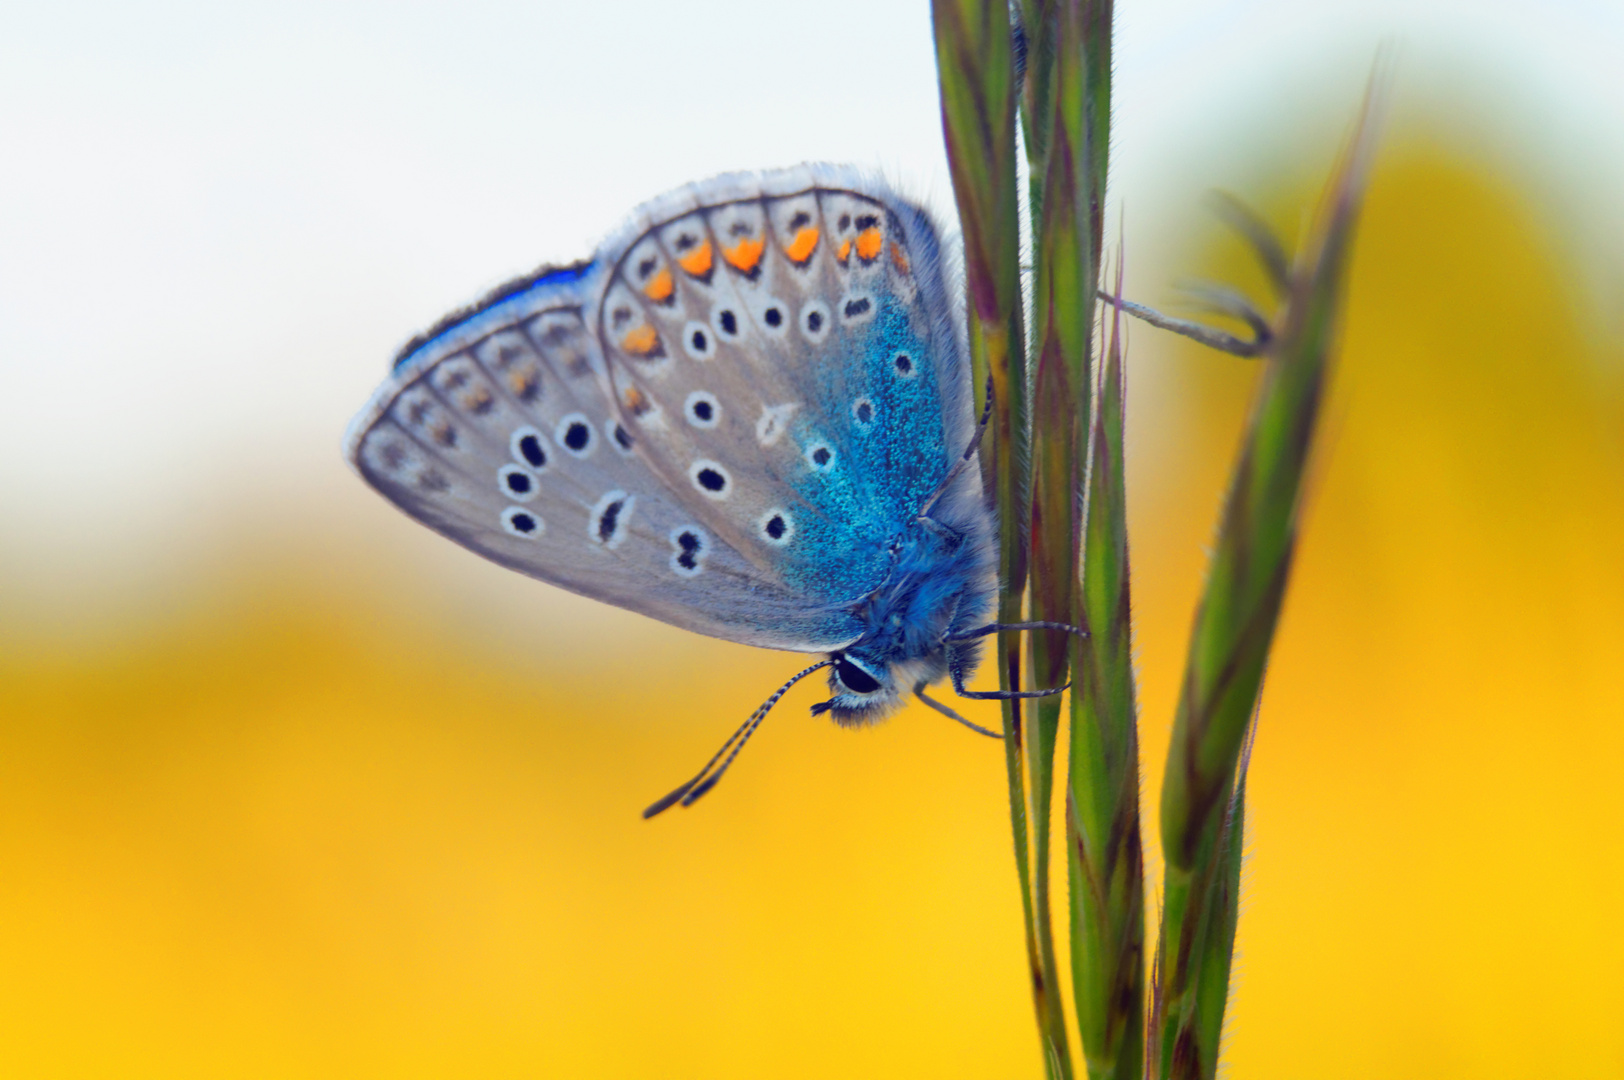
[(707, 778)]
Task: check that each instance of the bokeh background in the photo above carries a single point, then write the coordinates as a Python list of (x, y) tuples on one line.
[(291, 787)]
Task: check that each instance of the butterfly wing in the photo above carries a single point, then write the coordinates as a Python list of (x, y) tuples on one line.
[(721, 421), (496, 432), (784, 347)]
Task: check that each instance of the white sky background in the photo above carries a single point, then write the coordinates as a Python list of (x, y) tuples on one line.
[(217, 221)]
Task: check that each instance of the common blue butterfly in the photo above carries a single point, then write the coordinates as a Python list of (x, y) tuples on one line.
[(749, 414)]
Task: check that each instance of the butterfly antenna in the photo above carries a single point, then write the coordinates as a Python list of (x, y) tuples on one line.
[(710, 774)]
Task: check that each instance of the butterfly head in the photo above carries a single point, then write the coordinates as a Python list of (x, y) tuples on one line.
[(866, 687)]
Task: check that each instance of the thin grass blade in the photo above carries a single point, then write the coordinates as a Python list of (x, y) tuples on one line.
[(1234, 629)]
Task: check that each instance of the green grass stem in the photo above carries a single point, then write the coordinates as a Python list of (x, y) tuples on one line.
[(975, 61), (1203, 787)]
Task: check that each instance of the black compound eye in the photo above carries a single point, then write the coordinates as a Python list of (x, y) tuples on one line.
[(855, 678)]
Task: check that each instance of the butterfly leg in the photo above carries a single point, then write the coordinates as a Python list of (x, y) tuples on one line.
[(1002, 695), (919, 692), (992, 628), (1219, 300)]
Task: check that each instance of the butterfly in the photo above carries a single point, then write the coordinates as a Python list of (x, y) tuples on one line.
[(749, 414)]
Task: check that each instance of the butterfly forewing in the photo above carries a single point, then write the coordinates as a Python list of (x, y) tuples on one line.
[(498, 434)]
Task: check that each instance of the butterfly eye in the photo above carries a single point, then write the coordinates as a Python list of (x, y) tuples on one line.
[(855, 678)]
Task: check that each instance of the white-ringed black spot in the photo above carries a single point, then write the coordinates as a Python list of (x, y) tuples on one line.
[(610, 518), (702, 409), (769, 314), (689, 547), (517, 483), (904, 364), (863, 410), (711, 479), (697, 341), (530, 447), (618, 435), (776, 526), (820, 456), (726, 323), (526, 525), (574, 433), (815, 321)]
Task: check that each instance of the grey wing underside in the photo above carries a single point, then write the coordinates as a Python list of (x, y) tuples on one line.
[(512, 397), (547, 389)]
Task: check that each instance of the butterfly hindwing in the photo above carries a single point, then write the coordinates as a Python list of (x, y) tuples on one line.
[(783, 350)]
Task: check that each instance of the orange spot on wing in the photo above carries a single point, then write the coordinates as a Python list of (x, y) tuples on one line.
[(845, 251), (661, 287), (746, 254), (899, 257), (635, 402), (698, 261), (868, 243), (641, 341), (801, 248)]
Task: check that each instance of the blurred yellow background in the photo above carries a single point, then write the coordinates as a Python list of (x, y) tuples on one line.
[(291, 787)]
